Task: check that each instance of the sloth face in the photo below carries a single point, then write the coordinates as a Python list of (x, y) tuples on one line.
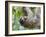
[(23, 19)]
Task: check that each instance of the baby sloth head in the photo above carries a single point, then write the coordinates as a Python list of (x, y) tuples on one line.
[(23, 19)]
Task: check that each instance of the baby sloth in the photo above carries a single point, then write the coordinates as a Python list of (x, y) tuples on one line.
[(30, 21)]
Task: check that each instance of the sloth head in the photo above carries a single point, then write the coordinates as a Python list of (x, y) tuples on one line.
[(23, 19)]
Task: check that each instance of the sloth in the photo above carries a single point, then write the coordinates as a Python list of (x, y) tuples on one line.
[(30, 21)]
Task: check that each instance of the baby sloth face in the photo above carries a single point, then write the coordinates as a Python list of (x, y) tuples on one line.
[(23, 19)]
